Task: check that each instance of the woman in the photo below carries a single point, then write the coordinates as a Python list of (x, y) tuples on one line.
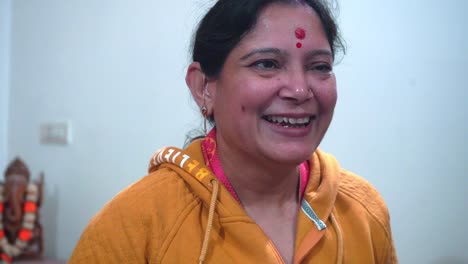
[(256, 189)]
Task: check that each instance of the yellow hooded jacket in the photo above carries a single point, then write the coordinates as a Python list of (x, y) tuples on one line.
[(164, 218)]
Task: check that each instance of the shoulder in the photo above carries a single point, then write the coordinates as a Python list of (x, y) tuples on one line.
[(366, 196), (161, 192), (139, 217)]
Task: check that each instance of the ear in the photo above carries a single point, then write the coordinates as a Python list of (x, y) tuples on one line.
[(202, 90)]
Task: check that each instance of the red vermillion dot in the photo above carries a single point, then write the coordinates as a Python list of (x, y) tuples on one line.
[(298, 45), (300, 33)]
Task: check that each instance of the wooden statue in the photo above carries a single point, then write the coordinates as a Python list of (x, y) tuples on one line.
[(20, 229)]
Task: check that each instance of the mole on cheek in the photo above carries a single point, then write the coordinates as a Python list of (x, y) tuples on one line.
[(243, 108)]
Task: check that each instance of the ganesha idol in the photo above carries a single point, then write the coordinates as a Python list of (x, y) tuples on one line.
[(20, 230)]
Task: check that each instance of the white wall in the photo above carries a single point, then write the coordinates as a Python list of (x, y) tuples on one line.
[(115, 70), (5, 27), (401, 119), (111, 68)]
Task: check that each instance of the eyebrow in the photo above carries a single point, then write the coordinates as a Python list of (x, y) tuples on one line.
[(261, 51), (318, 52)]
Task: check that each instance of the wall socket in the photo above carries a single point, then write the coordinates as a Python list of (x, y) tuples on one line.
[(57, 133)]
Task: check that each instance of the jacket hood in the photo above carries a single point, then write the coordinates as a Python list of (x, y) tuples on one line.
[(190, 166), (189, 163), (316, 206)]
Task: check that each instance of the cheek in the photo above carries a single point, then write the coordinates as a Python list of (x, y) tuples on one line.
[(241, 96), (246, 97), (230, 102), (327, 96)]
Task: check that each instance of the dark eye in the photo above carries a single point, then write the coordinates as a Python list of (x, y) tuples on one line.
[(266, 64), (322, 68)]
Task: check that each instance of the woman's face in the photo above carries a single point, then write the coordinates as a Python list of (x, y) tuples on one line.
[(274, 98)]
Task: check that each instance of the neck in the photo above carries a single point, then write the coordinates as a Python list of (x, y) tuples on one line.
[(260, 181)]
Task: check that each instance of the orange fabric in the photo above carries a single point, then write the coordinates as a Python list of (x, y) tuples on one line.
[(309, 242), (162, 218)]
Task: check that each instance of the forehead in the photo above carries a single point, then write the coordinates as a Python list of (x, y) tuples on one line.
[(280, 20)]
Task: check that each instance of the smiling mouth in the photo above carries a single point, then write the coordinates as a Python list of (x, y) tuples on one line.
[(289, 122)]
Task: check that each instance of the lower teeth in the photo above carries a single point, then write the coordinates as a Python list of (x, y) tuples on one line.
[(287, 125)]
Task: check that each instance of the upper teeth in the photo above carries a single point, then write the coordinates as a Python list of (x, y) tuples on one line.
[(292, 121)]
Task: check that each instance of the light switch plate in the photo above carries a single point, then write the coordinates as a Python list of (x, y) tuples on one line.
[(58, 133)]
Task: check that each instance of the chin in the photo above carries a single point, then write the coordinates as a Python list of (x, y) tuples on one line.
[(293, 154)]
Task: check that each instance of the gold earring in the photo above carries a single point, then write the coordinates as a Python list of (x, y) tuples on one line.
[(203, 109), (204, 112), (206, 90)]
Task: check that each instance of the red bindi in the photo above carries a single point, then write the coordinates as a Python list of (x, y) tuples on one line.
[(300, 34)]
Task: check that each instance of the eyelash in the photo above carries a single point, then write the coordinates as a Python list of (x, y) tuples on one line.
[(271, 64), (260, 64), (322, 68)]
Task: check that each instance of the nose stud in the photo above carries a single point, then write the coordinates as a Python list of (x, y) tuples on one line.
[(298, 90)]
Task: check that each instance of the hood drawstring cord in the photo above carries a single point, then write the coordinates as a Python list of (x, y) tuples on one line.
[(209, 225), (339, 235)]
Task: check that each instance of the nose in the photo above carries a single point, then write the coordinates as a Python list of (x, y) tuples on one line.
[(296, 88)]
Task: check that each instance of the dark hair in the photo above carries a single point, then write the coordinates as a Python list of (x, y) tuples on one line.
[(228, 21)]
